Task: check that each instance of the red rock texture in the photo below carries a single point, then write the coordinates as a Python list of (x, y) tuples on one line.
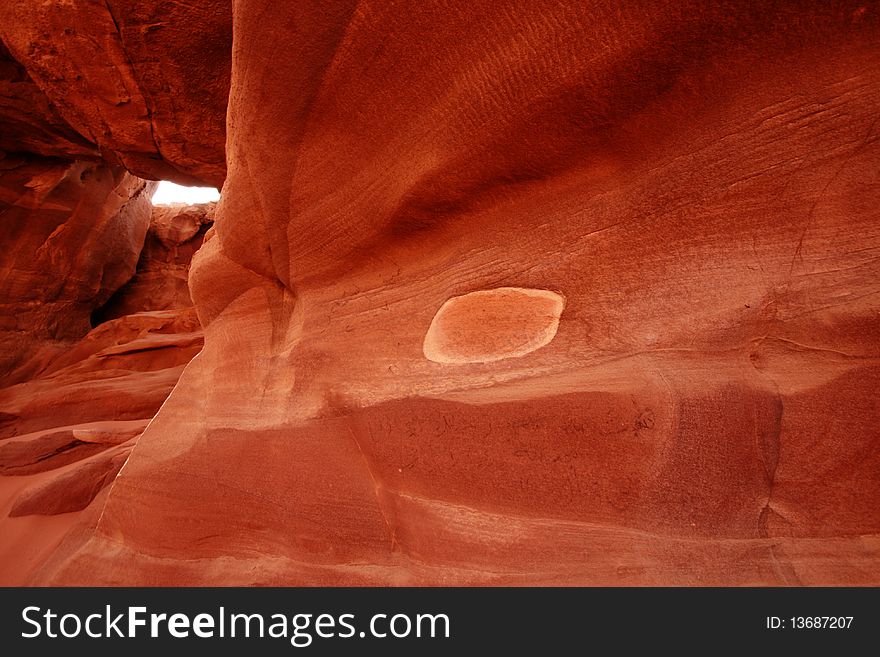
[(160, 282), (72, 232), (72, 491), (31, 123), (510, 293), (76, 404), (143, 84)]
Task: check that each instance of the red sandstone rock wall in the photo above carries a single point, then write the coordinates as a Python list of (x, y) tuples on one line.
[(505, 292), (160, 283), (71, 233), (80, 397), (142, 84)]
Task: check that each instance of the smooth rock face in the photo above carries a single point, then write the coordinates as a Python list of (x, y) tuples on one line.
[(480, 327), (72, 491), (503, 293), (31, 123)]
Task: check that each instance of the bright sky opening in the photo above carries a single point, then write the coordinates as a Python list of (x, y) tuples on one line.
[(167, 193)]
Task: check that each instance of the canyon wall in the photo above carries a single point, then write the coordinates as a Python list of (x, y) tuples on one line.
[(498, 293), (81, 396), (141, 85), (72, 232)]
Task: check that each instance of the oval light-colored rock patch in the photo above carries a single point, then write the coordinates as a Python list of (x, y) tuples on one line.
[(489, 325)]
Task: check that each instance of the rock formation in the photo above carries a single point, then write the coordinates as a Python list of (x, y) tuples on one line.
[(80, 396), (160, 283), (72, 232), (496, 293), (143, 85)]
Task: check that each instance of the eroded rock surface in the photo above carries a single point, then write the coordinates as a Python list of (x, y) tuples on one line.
[(489, 325), (160, 282), (72, 232), (142, 84), (75, 408), (698, 184)]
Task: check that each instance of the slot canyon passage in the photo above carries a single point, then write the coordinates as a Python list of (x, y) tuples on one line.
[(496, 292)]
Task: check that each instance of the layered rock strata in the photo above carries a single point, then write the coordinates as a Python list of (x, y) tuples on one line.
[(496, 293)]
